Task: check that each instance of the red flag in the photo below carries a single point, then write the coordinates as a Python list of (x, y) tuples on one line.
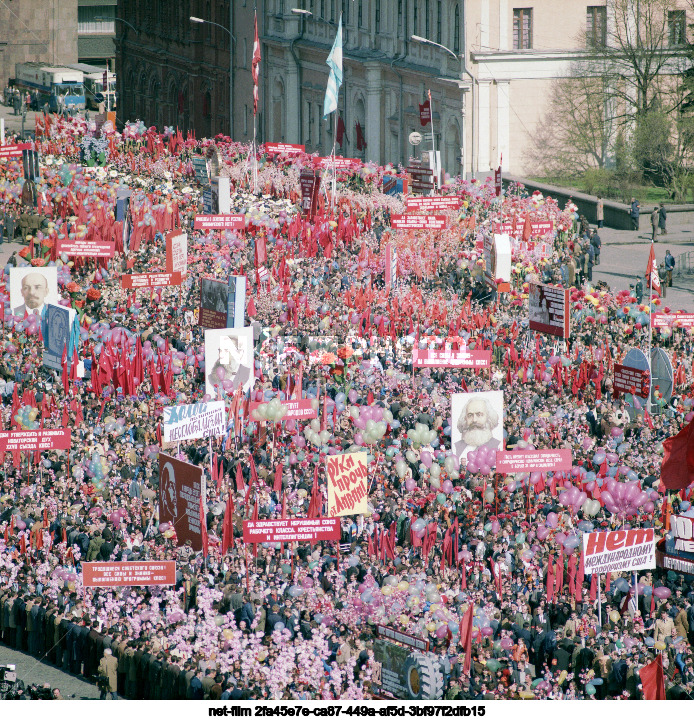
[(315, 508), (425, 113), (340, 130), (361, 141), (278, 478), (653, 680), (677, 469), (652, 277), (254, 66), (466, 637), (228, 526), (550, 578)]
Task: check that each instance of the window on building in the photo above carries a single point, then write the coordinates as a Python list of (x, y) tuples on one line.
[(322, 8), (522, 28), (96, 19), (677, 27), (399, 16), (377, 15), (426, 19), (456, 29), (345, 11), (360, 14), (309, 121), (438, 21), (320, 127), (415, 20), (206, 105), (596, 26)]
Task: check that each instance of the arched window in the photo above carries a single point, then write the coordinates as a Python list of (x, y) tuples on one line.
[(456, 29)]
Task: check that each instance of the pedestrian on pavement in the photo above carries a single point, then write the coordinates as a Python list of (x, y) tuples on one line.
[(669, 266), (589, 261), (108, 675), (655, 218), (662, 220), (600, 212), (662, 274), (597, 245), (634, 214), (638, 290)]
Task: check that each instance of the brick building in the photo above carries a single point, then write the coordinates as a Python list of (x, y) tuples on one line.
[(37, 30)]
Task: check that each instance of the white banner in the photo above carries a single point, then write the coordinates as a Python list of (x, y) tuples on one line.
[(197, 420), (612, 551)]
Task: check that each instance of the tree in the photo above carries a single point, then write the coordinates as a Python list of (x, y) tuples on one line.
[(577, 132)]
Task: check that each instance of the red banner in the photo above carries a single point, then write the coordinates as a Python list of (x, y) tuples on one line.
[(668, 320), (418, 222), (424, 113), (284, 148), (291, 529), (537, 460), (180, 487), (298, 410), (631, 380), (437, 202), (548, 309), (13, 151), (538, 228), (497, 182), (310, 182), (129, 573), (451, 358), (220, 222), (149, 280), (86, 247), (340, 163), (40, 440)]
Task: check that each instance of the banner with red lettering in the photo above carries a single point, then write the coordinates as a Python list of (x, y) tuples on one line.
[(87, 247), (347, 486), (219, 222), (149, 280), (548, 309), (180, 487), (43, 439), (418, 222), (298, 410), (669, 320), (339, 163), (129, 573), (631, 380), (538, 228), (437, 202), (176, 252), (284, 148), (537, 460), (13, 151), (610, 551), (311, 530), (451, 358)]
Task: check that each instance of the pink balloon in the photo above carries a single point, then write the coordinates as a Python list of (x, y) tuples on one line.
[(410, 484)]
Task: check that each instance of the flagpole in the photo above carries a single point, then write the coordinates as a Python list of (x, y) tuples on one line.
[(650, 329), (334, 184), (433, 139)]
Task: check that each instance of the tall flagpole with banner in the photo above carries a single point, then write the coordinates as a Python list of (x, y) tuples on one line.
[(433, 139), (653, 281), (254, 72), (334, 62)]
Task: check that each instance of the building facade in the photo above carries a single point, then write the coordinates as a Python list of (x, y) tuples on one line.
[(37, 30), (174, 72), (490, 80), (96, 31)]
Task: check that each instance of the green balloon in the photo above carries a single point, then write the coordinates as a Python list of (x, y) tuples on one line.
[(590, 689), (441, 498), (493, 665)]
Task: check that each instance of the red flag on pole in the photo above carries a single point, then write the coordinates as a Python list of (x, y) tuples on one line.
[(652, 277), (278, 479), (203, 530), (653, 680), (228, 527), (677, 469), (254, 66), (466, 637)]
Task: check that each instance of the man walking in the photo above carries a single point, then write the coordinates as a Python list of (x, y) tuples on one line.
[(634, 214), (669, 266), (108, 675), (655, 218), (600, 212), (662, 220), (597, 245)]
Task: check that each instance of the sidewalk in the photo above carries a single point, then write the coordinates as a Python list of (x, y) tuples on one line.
[(625, 253)]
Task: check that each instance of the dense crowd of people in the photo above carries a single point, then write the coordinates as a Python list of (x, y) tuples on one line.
[(299, 621)]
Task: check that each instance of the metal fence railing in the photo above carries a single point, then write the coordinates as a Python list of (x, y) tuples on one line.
[(684, 264)]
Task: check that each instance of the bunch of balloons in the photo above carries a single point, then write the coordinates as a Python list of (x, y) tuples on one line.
[(481, 460), (273, 411), (625, 499), (573, 498), (26, 418), (314, 434), (97, 469), (420, 435)]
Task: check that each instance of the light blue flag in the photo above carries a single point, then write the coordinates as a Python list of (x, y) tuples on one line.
[(334, 62)]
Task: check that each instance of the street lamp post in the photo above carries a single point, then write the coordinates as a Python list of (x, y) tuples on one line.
[(232, 42), (463, 71)]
